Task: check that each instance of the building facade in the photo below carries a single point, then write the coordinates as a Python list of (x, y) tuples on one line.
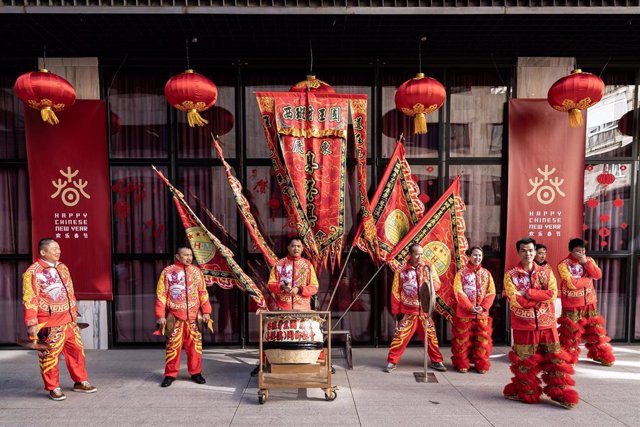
[(466, 138)]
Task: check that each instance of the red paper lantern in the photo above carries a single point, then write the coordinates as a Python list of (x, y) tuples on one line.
[(45, 91), (418, 97), (192, 93), (311, 84), (592, 203), (574, 93), (605, 178)]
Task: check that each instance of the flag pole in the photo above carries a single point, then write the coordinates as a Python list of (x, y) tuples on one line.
[(224, 230), (358, 296), (335, 288)]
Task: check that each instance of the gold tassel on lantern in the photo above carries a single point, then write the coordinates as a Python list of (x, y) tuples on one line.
[(420, 123), (49, 116), (575, 117), (194, 118)]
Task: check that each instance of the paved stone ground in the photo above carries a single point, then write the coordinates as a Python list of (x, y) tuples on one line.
[(129, 394)]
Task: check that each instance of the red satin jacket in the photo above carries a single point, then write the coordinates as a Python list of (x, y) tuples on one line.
[(47, 295), (172, 296)]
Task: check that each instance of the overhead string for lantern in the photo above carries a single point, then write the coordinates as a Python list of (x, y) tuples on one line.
[(423, 39), (186, 42)]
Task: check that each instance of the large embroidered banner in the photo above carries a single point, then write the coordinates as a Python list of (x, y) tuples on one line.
[(70, 198), (546, 179), (396, 207), (307, 138), (441, 234)]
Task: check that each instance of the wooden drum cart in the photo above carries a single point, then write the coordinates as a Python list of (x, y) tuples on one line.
[(290, 345)]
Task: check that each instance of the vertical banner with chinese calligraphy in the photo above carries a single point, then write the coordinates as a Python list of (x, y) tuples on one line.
[(307, 138), (546, 178), (69, 185)]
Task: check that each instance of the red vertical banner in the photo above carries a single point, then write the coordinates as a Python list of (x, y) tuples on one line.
[(70, 199), (546, 178)]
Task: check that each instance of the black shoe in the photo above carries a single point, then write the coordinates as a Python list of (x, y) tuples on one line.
[(438, 366), (198, 378), (333, 370), (167, 381), (255, 371)]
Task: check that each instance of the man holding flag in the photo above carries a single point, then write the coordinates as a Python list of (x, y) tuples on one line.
[(405, 301)]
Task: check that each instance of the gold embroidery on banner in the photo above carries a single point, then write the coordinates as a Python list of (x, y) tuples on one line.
[(314, 133), (396, 225), (359, 106), (438, 254), (203, 248)]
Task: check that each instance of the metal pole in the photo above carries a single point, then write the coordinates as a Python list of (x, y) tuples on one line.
[(335, 288), (358, 296)]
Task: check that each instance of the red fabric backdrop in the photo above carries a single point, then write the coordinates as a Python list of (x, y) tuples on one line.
[(69, 182), (546, 179)]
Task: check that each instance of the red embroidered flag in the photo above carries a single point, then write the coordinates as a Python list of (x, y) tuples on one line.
[(306, 134), (244, 209), (215, 259), (441, 234), (396, 207), (69, 188), (297, 217), (367, 227)]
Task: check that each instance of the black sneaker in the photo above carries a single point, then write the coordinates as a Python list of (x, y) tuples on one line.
[(167, 381), (198, 378), (255, 371), (438, 366)]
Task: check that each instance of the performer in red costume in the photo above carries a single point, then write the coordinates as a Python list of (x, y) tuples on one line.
[(475, 291), (580, 316), (541, 256), (405, 301), (293, 279), (184, 303), (50, 312), (541, 260), (531, 290)]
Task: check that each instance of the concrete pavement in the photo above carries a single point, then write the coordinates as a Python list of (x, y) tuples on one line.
[(129, 393)]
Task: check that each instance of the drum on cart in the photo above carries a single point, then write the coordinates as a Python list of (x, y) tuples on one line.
[(293, 339), (294, 352)]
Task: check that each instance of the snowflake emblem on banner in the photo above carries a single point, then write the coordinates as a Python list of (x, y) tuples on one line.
[(70, 190), (544, 188)]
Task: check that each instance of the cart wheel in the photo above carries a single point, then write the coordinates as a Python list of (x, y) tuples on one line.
[(331, 395), (262, 396)]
